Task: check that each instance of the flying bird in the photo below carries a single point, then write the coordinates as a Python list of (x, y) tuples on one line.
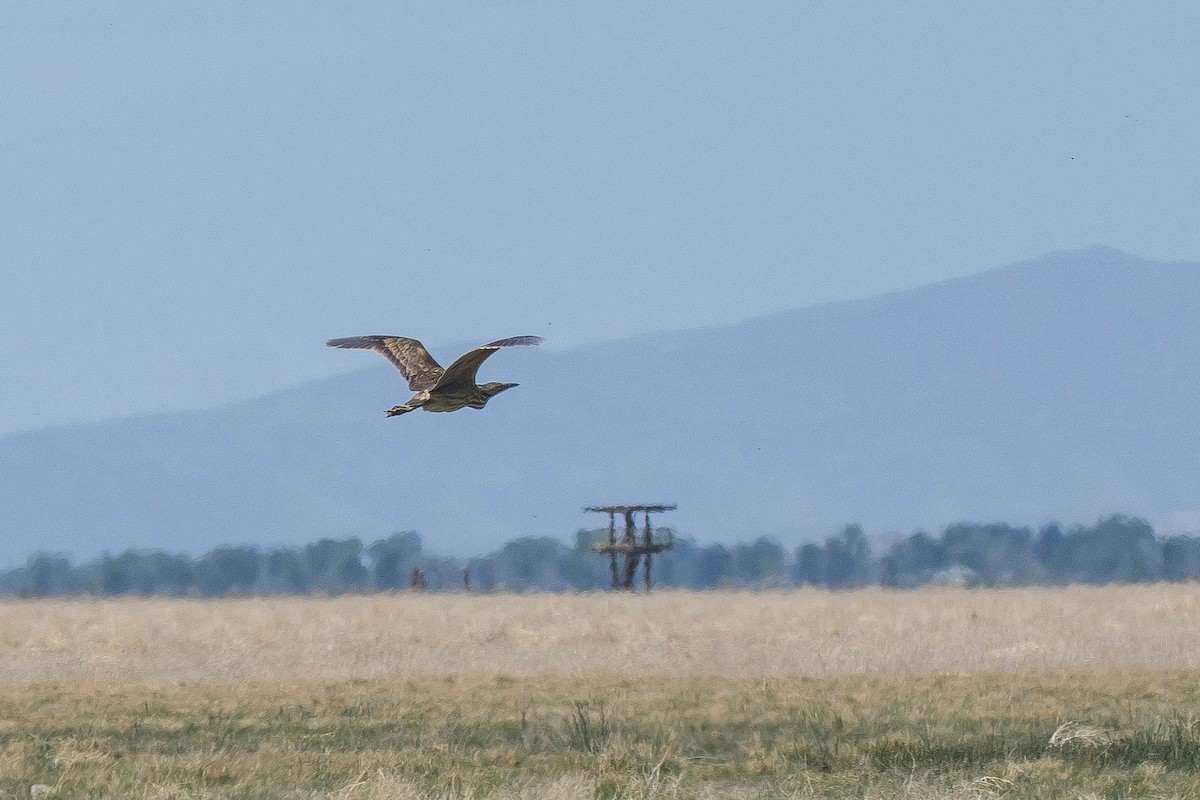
[(436, 389)]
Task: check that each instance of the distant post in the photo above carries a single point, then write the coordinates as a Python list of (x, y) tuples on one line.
[(612, 546), (632, 550)]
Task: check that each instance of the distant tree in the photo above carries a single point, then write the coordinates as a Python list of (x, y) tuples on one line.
[(228, 570), (848, 562), (483, 574), (674, 567), (334, 566), (583, 568), (912, 562), (713, 567), (761, 563), (141, 571), (442, 573), (48, 575), (108, 576), (809, 567), (284, 573), (530, 563), (392, 559), (997, 554), (1048, 549), (1181, 558), (1117, 549), (113, 576)]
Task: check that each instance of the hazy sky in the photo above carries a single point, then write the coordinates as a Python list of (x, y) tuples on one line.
[(197, 195)]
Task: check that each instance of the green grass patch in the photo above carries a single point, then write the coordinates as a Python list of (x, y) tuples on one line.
[(973, 736)]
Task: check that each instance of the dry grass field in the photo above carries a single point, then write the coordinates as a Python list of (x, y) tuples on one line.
[(938, 693)]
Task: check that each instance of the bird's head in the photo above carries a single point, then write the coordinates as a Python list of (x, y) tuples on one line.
[(492, 389)]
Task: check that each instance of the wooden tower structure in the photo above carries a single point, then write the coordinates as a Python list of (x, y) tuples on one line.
[(633, 551)]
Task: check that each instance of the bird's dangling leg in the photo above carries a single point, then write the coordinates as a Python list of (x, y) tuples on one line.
[(397, 410)]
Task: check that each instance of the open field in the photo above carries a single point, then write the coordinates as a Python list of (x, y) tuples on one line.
[(934, 693)]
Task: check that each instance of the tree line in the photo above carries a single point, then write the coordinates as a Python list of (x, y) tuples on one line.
[(1117, 549)]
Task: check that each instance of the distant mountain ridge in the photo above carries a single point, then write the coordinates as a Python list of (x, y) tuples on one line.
[(1062, 387)]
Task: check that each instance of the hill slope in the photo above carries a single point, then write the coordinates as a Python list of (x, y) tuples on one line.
[(1063, 387)]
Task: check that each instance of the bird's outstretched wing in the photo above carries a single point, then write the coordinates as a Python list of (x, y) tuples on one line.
[(407, 355), (465, 366)]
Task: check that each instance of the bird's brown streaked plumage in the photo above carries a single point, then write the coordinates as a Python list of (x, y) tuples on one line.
[(437, 389), (407, 355)]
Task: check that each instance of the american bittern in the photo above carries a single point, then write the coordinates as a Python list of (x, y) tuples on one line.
[(436, 389)]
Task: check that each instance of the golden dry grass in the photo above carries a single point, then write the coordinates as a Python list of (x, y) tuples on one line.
[(731, 634), (937, 693)]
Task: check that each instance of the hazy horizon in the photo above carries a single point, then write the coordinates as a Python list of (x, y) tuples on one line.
[(1059, 388)]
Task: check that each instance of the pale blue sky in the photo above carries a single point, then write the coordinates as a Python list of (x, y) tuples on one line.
[(195, 196)]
